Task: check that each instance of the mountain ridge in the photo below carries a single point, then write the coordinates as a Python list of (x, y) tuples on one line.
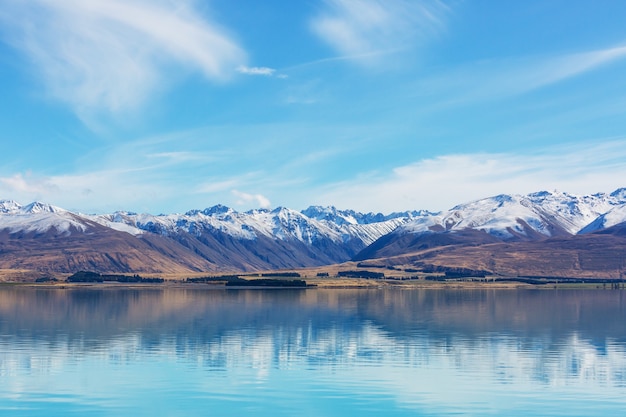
[(44, 237)]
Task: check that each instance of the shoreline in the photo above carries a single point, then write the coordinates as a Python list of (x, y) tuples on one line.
[(313, 284), (309, 279)]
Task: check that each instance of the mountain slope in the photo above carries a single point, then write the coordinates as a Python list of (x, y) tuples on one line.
[(47, 238), (613, 217), (544, 233), (91, 246), (259, 239), (597, 255), (217, 238), (516, 217)]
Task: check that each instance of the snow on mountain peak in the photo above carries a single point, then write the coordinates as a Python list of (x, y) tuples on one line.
[(121, 221), (347, 217), (540, 196), (573, 212), (9, 206), (289, 223), (38, 217), (619, 195), (510, 216), (503, 215), (218, 209), (611, 218), (536, 215), (331, 214), (38, 207)]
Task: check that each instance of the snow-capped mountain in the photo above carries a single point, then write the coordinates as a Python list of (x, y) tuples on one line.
[(522, 217), (281, 223), (13, 207), (38, 218), (39, 235), (613, 217), (333, 215), (214, 238), (9, 207)]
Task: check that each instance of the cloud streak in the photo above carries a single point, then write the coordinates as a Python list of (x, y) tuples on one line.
[(106, 189), (435, 184), (265, 71), (363, 28), (496, 79), (26, 184), (444, 181), (112, 54), (245, 199)]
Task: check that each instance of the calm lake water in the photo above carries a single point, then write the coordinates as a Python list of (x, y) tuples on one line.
[(177, 352)]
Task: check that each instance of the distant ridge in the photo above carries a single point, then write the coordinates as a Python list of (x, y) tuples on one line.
[(481, 234)]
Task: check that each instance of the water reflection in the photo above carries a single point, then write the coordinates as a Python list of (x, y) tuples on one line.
[(400, 352)]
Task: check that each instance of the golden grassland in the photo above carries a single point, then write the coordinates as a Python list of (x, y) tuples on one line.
[(400, 276), (9, 278)]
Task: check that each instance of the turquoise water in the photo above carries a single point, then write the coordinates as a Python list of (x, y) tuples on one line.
[(177, 352)]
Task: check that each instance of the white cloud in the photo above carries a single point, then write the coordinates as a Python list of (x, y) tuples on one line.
[(363, 28), (245, 198), (146, 188), (215, 186), (178, 157), (498, 78), (112, 54), (436, 184), (442, 182), (104, 190), (574, 64), (268, 72), (27, 184)]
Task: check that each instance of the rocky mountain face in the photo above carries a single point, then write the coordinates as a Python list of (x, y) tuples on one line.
[(544, 233), (215, 239), (42, 237), (523, 217)]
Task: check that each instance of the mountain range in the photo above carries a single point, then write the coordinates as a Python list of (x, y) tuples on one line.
[(543, 233)]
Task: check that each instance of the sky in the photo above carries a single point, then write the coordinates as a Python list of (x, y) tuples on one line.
[(163, 106)]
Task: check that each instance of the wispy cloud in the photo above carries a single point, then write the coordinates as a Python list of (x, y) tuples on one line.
[(567, 66), (499, 78), (178, 157), (441, 182), (112, 54), (216, 185), (245, 199), (362, 29), (71, 190), (27, 184), (265, 71), (142, 175), (308, 92), (142, 189), (436, 183), (170, 172)]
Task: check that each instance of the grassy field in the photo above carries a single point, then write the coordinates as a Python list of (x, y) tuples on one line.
[(321, 277)]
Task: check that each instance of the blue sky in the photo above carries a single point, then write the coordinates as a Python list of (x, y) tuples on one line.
[(377, 105)]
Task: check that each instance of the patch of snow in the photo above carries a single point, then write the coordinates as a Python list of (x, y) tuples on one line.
[(41, 222), (119, 221), (611, 218), (615, 216), (9, 207), (505, 216), (38, 207)]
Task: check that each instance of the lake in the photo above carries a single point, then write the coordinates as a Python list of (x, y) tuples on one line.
[(314, 352)]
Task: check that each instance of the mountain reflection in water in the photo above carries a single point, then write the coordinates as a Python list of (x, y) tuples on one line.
[(312, 352)]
